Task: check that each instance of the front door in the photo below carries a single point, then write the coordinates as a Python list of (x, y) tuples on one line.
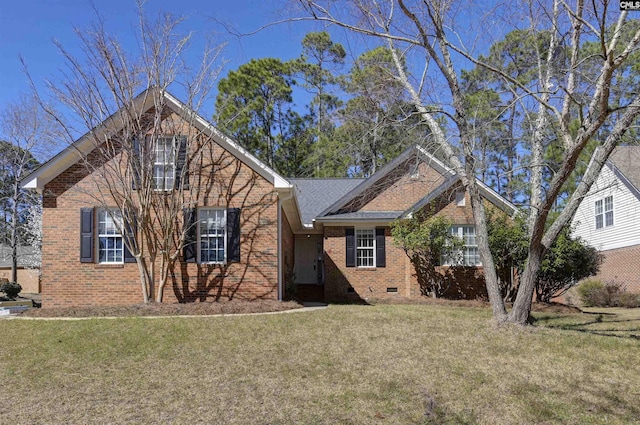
[(308, 259)]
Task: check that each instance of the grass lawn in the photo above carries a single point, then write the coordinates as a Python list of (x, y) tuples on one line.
[(395, 364)]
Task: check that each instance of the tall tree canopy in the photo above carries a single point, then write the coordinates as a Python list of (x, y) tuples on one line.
[(255, 106)]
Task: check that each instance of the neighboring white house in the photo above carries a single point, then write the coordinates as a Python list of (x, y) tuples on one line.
[(608, 218)]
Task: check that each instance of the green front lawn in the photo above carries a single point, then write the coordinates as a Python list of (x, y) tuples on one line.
[(395, 364)]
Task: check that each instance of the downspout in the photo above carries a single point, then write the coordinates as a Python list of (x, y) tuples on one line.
[(280, 254)]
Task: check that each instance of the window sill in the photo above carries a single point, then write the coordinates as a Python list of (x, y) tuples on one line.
[(109, 266), (366, 268)]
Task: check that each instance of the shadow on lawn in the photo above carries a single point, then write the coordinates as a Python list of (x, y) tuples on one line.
[(550, 321)]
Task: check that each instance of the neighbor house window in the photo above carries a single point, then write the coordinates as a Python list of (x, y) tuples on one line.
[(365, 248), (212, 234), (110, 246), (469, 254), (164, 163), (604, 212)]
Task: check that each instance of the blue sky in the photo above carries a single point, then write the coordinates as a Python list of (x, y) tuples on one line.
[(28, 28)]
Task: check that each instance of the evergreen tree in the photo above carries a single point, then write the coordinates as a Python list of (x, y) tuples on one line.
[(255, 106)]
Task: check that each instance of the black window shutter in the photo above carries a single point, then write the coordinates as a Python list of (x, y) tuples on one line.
[(381, 260), (86, 235), (181, 163), (189, 251), (233, 235), (131, 228), (350, 237), (135, 163)]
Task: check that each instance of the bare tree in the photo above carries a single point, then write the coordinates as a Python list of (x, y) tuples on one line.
[(139, 176), (26, 130), (33, 224), (434, 32)]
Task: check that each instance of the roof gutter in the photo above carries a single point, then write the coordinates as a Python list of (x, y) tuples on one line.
[(287, 196)]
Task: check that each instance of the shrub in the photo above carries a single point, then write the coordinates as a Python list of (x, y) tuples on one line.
[(628, 300), (594, 293), (567, 262), (587, 291), (11, 289)]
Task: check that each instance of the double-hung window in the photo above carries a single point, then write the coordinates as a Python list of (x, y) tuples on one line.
[(469, 254), (604, 212), (164, 163), (212, 225), (365, 248), (110, 244)]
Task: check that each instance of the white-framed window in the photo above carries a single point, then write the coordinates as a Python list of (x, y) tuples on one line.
[(604, 212), (164, 163), (469, 255), (212, 236), (110, 244), (365, 247), (460, 199)]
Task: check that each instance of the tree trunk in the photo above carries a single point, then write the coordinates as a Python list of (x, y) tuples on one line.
[(161, 286), (164, 275), (490, 276), (14, 232), (522, 306), (143, 280)]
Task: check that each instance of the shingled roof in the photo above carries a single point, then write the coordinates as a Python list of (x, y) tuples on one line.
[(316, 195), (626, 160)]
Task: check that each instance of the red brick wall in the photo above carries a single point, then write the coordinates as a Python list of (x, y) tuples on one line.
[(218, 179), (372, 283), (621, 266), (367, 282), (401, 191), (399, 272)]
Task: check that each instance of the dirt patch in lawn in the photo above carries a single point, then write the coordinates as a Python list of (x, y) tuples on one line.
[(157, 309)]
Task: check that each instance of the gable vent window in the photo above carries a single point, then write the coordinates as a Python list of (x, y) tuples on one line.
[(604, 212), (460, 199), (164, 163), (415, 173)]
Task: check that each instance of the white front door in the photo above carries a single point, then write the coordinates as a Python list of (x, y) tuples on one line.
[(308, 258)]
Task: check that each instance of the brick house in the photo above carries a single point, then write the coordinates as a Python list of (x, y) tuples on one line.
[(346, 223), (252, 234), (608, 216)]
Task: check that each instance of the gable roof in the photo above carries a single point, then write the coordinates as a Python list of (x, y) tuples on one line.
[(451, 178), (42, 175), (382, 173), (624, 161)]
